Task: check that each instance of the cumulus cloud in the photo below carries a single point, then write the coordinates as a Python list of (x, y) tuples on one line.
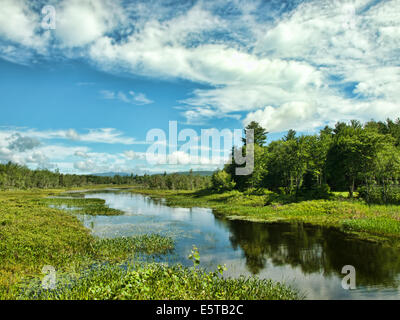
[(37, 149), (103, 162), (85, 166), (21, 143), (132, 155), (19, 24), (297, 114), (80, 22), (81, 154), (354, 45), (72, 134), (292, 61)]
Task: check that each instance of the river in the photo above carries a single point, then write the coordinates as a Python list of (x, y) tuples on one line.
[(306, 257)]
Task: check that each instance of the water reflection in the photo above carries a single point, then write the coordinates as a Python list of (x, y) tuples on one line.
[(314, 250)]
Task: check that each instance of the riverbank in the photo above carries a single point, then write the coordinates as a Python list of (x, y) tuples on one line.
[(35, 232), (369, 222)]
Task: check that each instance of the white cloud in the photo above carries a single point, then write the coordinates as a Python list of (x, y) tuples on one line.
[(131, 97), (101, 135), (85, 166), (130, 154), (36, 149), (18, 23), (80, 22), (22, 143), (140, 98), (81, 154), (299, 115), (322, 61), (357, 49)]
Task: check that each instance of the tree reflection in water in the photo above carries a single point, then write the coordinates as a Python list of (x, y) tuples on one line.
[(314, 250)]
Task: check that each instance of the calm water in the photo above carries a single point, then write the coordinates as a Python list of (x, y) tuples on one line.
[(309, 258)]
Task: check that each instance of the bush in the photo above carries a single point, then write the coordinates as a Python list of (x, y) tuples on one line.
[(222, 181), (377, 194), (322, 191)]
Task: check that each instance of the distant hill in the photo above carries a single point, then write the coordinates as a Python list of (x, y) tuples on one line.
[(111, 174), (124, 174), (200, 173)]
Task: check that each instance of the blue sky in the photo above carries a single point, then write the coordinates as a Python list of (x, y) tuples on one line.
[(82, 97)]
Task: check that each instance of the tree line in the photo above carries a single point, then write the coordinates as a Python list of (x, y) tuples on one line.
[(349, 157), (14, 176), (175, 181)]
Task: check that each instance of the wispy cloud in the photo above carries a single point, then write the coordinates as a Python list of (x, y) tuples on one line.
[(131, 97), (101, 135)]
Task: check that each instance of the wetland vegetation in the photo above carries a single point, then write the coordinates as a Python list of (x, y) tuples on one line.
[(34, 234)]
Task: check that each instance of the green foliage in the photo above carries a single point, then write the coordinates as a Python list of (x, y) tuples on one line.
[(381, 195), (14, 176), (32, 235), (322, 191), (174, 181), (122, 248), (222, 181), (260, 134), (353, 153), (89, 206), (291, 135), (255, 179), (162, 282), (344, 158), (195, 256)]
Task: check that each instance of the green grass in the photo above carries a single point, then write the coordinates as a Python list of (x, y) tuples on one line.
[(32, 235), (120, 249), (371, 222), (161, 282), (89, 206)]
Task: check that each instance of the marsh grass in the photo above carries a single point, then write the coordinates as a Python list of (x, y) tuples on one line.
[(32, 235), (119, 249), (89, 206)]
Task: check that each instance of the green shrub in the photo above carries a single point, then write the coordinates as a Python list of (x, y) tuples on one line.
[(380, 195), (222, 181)]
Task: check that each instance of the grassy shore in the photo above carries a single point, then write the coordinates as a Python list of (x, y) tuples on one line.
[(370, 222), (34, 234)]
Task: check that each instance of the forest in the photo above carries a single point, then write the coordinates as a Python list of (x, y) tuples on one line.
[(349, 157), (14, 176)]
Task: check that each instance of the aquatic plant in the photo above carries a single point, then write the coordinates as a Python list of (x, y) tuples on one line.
[(89, 206), (162, 282)]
